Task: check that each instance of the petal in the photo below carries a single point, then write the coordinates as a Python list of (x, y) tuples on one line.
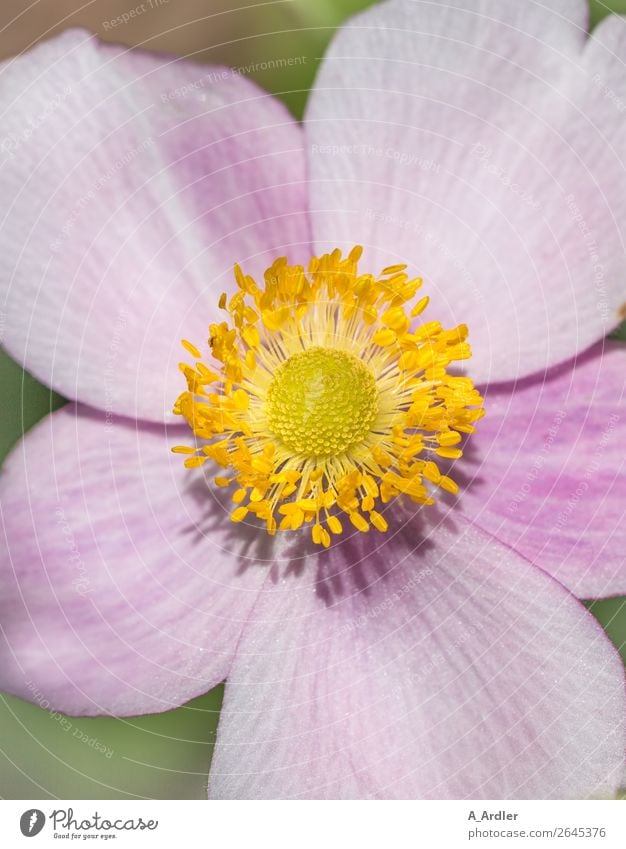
[(548, 473), (120, 592), (439, 665), (132, 183), (482, 143)]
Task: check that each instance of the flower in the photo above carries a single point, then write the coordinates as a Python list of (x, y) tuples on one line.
[(480, 147)]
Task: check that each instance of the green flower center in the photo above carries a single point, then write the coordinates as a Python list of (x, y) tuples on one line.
[(322, 401)]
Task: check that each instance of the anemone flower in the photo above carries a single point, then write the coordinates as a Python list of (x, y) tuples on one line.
[(373, 643)]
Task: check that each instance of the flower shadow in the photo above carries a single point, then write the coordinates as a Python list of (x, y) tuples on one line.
[(355, 563)]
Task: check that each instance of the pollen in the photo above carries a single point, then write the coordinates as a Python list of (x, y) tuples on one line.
[(324, 397)]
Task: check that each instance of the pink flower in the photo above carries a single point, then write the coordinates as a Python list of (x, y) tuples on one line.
[(480, 145)]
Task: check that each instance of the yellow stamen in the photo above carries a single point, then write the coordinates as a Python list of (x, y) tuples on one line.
[(324, 399)]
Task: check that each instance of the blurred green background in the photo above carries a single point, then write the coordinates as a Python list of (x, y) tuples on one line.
[(44, 755)]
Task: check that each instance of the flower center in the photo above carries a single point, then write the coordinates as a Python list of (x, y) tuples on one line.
[(322, 401), (327, 397)]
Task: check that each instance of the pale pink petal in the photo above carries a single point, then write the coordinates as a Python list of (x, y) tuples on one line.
[(121, 589), (435, 664), (131, 184), (546, 471), (483, 143)]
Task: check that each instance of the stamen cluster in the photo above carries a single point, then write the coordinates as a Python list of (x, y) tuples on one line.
[(325, 402)]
